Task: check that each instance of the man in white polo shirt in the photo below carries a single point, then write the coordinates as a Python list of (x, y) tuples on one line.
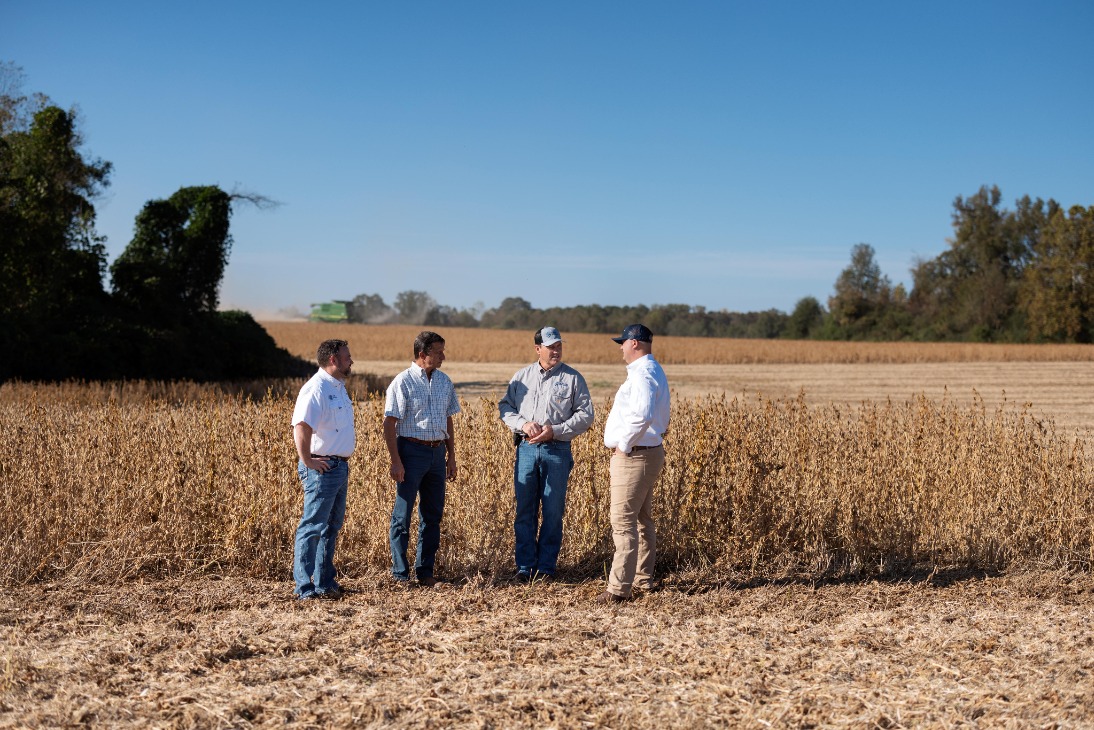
[(323, 432), (636, 425)]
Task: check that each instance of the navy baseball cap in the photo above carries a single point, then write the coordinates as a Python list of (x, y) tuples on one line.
[(638, 332)]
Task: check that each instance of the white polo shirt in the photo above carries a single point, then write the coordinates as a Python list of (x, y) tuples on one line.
[(325, 405)]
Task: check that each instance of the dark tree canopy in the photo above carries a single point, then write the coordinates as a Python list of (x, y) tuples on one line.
[(51, 259), (178, 254), (57, 321), (370, 309), (1058, 291), (970, 291), (414, 307)]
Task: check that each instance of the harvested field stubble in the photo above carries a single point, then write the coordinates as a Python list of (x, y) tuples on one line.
[(107, 490), (941, 651), (468, 344)]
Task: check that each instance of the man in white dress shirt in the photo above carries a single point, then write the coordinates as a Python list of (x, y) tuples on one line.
[(634, 431)]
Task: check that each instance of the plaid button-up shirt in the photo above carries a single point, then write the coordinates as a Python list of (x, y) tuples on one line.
[(421, 404)]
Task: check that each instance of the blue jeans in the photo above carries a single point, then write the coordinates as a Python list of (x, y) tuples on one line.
[(540, 476), (324, 513), (423, 480)]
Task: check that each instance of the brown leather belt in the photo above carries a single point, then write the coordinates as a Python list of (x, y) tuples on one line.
[(336, 458), (430, 444)]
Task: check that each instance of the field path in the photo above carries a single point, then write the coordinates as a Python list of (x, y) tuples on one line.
[(1062, 392)]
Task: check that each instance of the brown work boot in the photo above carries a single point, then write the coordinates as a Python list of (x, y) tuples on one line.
[(607, 598), (427, 581)]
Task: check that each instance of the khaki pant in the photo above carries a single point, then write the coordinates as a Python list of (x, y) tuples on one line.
[(632, 480)]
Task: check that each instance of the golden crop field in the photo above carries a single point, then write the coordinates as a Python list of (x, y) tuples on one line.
[(394, 343), (908, 562), (206, 481)]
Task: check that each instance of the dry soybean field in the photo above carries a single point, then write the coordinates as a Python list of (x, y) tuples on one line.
[(851, 535)]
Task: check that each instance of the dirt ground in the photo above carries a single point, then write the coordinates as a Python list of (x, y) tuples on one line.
[(936, 650), (1060, 391)]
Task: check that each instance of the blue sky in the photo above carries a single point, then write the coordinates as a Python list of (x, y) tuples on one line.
[(720, 154)]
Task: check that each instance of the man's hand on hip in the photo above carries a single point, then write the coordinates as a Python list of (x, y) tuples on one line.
[(320, 465)]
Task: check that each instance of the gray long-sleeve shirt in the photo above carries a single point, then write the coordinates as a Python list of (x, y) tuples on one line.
[(558, 396)]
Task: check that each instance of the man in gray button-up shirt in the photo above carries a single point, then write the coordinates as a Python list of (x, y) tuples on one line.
[(546, 405)]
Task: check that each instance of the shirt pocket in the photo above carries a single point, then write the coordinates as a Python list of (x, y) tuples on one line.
[(560, 391), (342, 413)]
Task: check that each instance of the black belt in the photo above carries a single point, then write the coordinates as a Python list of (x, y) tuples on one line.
[(642, 448), (336, 458), (430, 444), (519, 438)]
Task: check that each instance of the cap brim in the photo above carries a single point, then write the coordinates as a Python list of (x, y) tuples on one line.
[(619, 340)]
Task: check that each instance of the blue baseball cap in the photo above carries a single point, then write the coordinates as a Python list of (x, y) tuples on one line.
[(548, 336), (638, 332)]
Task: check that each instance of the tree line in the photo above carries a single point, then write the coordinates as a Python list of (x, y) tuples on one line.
[(159, 319), (419, 308), (1021, 275), (1012, 275)]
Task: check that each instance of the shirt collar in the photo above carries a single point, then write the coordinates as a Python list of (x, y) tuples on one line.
[(328, 377), (640, 363)]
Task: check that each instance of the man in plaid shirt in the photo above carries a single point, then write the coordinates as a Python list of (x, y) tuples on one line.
[(418, 412)]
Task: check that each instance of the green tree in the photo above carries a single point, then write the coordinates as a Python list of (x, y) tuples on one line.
[(52, 263), (1057, 292), (174, 264), (512, 313), (862, 296), (970, 291), (806, 318), (51, 258), (445, 316), (414, 307), (17, 110), (370, 309)]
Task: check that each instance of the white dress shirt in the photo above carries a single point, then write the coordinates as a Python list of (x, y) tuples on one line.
[(640, 412)]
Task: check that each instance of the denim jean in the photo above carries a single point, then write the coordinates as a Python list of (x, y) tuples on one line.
[(423, 480), (540, 475), (317, 534)]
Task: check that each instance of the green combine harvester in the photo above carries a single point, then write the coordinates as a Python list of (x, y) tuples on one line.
[(329, 312)]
